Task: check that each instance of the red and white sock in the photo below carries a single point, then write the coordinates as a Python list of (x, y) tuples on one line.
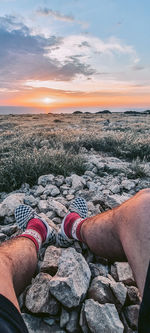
[(72, 226), (36, 231)]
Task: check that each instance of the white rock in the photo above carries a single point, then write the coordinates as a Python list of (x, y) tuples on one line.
[(39, 191), (8, 206), (128, 184), (51, 190), (102, 318), (46, 179), (100, 290), (122, 272), (57, 207), (43, 206), (71, 282)]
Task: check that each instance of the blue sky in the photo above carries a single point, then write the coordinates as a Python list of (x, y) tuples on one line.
[(55, 52)]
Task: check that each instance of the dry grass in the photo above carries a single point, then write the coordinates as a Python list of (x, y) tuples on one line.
[(24, 157)]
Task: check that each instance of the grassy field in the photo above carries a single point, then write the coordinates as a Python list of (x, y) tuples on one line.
[(32, 145)]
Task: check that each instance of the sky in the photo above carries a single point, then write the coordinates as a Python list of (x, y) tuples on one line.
[(66, 55)]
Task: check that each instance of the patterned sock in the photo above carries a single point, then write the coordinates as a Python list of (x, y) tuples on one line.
[(36, 231), (72, 226)]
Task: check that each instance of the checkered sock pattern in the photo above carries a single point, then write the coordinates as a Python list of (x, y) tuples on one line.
[(33, 226), (72, 222)]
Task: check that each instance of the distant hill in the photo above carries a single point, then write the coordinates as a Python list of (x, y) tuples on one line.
[(104, 112), (137, 112), (77, 112)]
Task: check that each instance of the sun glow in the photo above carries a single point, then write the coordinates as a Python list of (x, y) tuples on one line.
[(48, 100)]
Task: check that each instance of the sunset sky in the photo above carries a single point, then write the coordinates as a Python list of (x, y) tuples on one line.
[(64, 55)]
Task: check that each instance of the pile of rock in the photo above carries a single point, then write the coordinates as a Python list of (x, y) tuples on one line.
[(74, 290)]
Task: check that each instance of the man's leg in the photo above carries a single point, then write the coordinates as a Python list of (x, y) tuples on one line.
[(18, 257), (122, 233), (18, 260)]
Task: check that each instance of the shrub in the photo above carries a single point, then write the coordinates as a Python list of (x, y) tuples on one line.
[(27, 168)]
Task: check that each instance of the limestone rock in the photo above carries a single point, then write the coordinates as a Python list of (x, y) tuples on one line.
[(36, 324), (2, 237), (30, 200), (133, 295), (72, 325), (51, 190), (120, 292), (8, 206), (83, 321), (59, 180), (100, 290), (46, 179), (77, 182), (115, 188), (64, 318), (71, 282), (102, 318), (39, 191), (43, 206), (128, 184), (51, 260), (98, 269), (121, 271), (131, 313), (38, 297), (57, 207), (9, 229)]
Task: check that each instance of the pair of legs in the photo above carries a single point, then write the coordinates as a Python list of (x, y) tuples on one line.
[(121, 234)]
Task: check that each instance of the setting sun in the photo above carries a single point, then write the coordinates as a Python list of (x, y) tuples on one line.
[(48, 100)]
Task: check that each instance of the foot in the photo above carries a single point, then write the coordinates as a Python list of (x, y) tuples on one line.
[(24, 213), (77, 212)]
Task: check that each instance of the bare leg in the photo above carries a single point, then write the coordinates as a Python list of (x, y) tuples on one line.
[(18, 260), (123, 232)]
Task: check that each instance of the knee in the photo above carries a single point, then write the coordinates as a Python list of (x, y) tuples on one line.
[(144, 192), (144, 196)]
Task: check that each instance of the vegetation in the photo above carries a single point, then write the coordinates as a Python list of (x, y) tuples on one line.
[(32, 145)]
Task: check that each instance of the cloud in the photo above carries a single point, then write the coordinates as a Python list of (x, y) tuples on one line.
[(60, 17), (26, 57), (55, 14), (138, 67), (103, 55)]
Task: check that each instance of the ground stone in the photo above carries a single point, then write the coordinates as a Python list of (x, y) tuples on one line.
[(38, 297), (98, 269), (131, 313), (51, 260), (121, 271), (120, 292), (30, 200), (72, 325), (46, 179), (57, 207), (100, 290), (51, 190), (133, 295), (64, 318), (43, 206), (71, 282), (35, 324), (8, 206), (102, 318)]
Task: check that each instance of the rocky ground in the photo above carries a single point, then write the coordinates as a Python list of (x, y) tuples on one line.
[(74, 290)]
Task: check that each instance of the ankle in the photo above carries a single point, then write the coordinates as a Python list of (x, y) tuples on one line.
[(36, 231)]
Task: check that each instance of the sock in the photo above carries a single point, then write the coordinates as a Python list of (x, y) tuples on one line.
[(72, 226), (36, 231)]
